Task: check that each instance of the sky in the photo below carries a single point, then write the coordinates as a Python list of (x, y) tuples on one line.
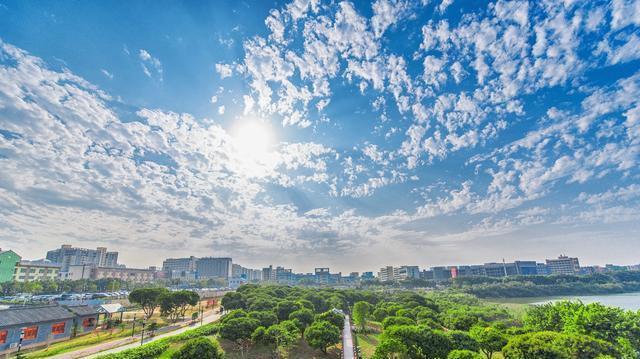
[(349, 135)]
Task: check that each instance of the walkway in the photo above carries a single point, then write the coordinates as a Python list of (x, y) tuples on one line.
[(128, 343), (347, 340)]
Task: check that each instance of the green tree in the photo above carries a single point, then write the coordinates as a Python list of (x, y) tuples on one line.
[(390, 321), (147, 298), (389, 348), (265, 318), (202, 348), (361, 312), (464, 354), (280, 336), (233, 300), (489, 339), (322, 334), (285, 308), (239, 331), (461, 340), (332, 317), (302, 318)]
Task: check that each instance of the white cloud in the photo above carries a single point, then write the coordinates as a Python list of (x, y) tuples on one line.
[(150, 65), (224, 70), (221, 110)]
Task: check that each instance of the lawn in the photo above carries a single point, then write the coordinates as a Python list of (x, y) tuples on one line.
[(367, 344), (80, 342)]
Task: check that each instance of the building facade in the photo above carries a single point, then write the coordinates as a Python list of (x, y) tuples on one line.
[(8, 261), (27, 271), (67, 256), (43, 325), (563, 265), (211, 267), (180, 268)]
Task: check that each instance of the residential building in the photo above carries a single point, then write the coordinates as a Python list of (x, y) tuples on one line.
[(180, 264), (563, 265), (8, 261), (268, 274), (180, 268), (386, 274), (27, 271), (251, 275), (211, 267), (67, 256), (43, 325)]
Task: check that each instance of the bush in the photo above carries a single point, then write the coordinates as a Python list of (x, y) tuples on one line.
[(203, 348), (464, 354), (147, 351)]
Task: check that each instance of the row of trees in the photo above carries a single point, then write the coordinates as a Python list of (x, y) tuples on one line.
[(66, 286), (173, 305)]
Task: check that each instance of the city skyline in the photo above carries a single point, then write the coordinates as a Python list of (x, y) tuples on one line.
[(309, 134)]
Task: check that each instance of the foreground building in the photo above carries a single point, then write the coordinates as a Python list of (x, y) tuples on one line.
[(43, 325)]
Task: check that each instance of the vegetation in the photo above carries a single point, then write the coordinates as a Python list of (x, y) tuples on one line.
[(201, 347), (148, 298), (542, 286)]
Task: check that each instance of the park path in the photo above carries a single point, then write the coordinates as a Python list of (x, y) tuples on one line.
[(128, 343), (347, 340)]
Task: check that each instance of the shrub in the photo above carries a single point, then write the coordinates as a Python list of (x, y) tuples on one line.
[(202, 348)]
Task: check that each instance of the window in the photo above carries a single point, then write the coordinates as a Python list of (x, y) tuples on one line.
[(30, 333), (3, 336), (57, 328), (88, 322)]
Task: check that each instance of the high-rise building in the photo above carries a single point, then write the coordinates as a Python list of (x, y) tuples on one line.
[(238, 271), (268, 274), (386, 274), (406, 272), (180, 268), (8, 261), (67, 256), (563, 265), (526, 267), (211, 267)]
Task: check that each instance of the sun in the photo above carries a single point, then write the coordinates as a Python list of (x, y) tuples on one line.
[(252, 138)]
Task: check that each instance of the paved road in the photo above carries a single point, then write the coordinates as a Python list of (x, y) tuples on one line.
[(347, 340), (126, 343)]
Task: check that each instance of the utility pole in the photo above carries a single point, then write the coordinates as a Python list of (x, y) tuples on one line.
[(133, 328)]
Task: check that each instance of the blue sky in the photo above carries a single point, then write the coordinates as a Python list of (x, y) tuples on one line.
[(308, 133)]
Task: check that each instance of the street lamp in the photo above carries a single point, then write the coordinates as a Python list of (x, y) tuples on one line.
[(142, 339), (20, 342)]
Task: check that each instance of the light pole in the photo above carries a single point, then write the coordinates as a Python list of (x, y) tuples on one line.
[(133, 328), (142, 339), (201, 313), (20, 342)]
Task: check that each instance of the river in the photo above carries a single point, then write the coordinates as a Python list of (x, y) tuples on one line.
[(627, 301)]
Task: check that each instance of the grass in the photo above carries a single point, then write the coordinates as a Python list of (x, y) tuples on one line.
[(367, 344), (79, 343)]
